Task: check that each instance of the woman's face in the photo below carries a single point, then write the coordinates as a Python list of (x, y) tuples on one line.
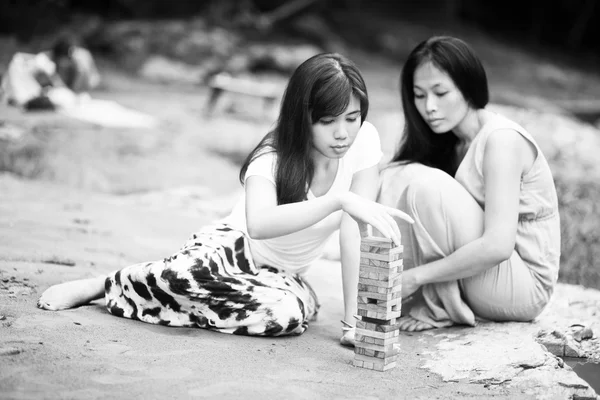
[(332, 136), (438, 100)]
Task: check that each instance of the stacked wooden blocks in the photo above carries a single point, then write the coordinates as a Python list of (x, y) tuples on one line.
[(379, 304)]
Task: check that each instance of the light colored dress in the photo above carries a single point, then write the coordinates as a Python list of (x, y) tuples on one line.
[(449, 213)]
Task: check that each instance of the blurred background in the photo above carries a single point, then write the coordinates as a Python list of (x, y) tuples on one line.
[(202, 81)]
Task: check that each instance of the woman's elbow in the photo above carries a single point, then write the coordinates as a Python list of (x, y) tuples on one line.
[(253, 230), (499, 250)]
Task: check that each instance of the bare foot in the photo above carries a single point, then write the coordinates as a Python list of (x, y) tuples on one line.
[(348, 333), (409, 324), (72, 294)]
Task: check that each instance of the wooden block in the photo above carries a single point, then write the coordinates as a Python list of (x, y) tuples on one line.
[(385, 317), (365, 339), (369, 248), (368, 365), (388, 269), (367, 288), (373, 360), (378, 290), (384, 290), (381, 257), (377, 334), (393, 304), (382, 296), (388, 349), (379, 276), (382, 342), (378, 241), (368, 324), (357, 363), (369, 262), (386, 275), (381, 325), (379, 305), (385, 367), (384, 308), (361, 351), (395, 281)]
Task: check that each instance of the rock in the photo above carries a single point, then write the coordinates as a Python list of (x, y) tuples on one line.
[(553, 345), (583, 333), (10, 351), (161, 69), (270, 57), (523, 355), (558, 334), (10, 132), (552, 382)]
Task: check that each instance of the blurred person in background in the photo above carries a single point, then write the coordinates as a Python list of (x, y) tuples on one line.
[(49, 79), (75, 66)]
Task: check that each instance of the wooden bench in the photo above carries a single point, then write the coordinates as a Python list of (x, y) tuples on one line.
[(223, 82)]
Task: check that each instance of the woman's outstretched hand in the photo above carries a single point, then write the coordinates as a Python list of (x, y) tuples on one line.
[(377, 215)]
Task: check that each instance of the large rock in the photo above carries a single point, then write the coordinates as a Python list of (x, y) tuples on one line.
[(511, 355), (161, 69)]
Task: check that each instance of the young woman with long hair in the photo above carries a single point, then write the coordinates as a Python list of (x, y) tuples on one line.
[(486, 239), (316, 172)]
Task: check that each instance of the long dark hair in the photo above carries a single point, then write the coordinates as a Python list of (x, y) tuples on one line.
[(457, 59), (321, 86)]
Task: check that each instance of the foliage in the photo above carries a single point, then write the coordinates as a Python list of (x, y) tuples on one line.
[(563, 23)]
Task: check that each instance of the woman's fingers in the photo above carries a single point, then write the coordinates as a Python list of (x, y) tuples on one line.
[(395, 229), (384, 228), (365, 229), (386, 225), (402, 215)]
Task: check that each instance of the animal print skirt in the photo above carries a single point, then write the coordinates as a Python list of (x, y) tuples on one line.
[(212, 283)]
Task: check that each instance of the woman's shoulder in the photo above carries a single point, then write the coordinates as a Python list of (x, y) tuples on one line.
[(367, 139), (367, 128), (496, 122), (367, 136), (263, 163), (366, 149)]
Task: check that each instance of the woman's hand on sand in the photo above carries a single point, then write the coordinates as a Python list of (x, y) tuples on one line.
[(377, 215)]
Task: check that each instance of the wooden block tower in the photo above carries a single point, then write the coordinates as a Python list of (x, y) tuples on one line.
[(379, 304)]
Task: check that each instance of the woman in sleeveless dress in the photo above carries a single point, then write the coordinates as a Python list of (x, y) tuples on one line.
[(485, 244)]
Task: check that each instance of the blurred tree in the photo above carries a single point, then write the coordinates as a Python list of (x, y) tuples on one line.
[(570, 24), (581, 24)]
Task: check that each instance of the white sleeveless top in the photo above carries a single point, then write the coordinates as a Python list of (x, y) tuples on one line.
[(297, 251)]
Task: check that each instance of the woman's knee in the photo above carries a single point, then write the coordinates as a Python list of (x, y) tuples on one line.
[(290, 314), (430, 190), (445, 209)]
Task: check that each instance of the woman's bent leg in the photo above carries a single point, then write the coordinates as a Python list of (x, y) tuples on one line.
[(447, 218), (212, 283), (506, 292)]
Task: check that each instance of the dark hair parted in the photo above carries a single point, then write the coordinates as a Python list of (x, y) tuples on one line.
[(321, 86), (458, 60)]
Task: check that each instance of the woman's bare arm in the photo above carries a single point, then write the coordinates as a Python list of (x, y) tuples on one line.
[(507, 156)]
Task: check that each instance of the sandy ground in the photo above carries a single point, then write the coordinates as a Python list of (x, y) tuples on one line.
[(87, 353), (91, 210)]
